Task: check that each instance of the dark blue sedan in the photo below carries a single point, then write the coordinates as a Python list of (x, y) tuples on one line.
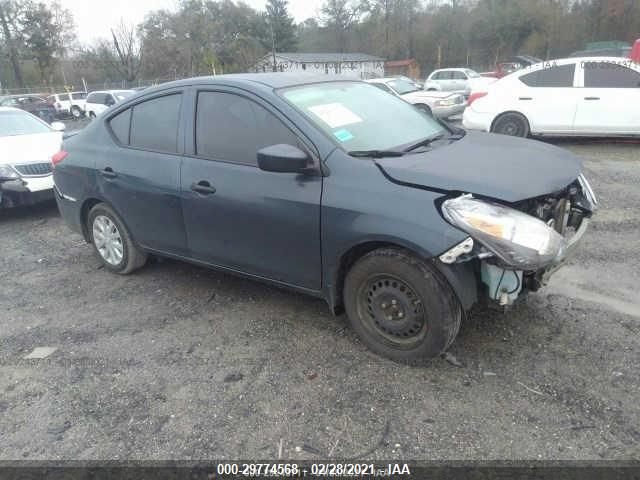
[(330, 187)]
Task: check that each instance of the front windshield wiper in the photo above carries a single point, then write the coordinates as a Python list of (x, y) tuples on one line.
[(424, 142), (427, 141), (376, 153)]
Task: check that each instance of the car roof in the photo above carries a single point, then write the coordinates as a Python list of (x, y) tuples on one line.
[(11, 109), (271, 79)]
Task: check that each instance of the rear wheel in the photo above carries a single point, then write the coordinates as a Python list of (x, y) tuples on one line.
[(513, 124), (400, 306), (112, 241)]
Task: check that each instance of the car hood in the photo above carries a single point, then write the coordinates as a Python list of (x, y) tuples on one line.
[(496, 166), (38, 147)]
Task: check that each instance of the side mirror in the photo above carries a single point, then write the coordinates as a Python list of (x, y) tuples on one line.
[(109, 101), (58, 126), (283, 158)]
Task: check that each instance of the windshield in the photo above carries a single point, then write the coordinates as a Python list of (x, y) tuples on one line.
[(403, 86), (18, 123), (472, 74), (360, 116)]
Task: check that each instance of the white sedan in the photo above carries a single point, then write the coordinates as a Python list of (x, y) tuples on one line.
[(590, 96), (438, 104), (27, 144)]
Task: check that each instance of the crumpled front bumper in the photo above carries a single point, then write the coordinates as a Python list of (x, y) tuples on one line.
[(566, 253)]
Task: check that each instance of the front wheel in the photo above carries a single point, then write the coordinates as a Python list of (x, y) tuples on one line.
[(112, 241), (513, 124), (400, 306)]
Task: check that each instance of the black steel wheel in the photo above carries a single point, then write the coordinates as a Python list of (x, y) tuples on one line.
[(401, 306), (512, 124), (390, 308)]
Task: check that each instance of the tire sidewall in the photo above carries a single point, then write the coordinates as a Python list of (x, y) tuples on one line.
[(104, 210), (425, 282)]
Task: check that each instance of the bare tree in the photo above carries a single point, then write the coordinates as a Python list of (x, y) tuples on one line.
[(124, 52)]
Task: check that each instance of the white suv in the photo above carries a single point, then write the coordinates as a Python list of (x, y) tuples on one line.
[(97, 102), (68, 103)]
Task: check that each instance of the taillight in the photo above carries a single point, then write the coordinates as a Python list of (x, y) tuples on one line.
[(475, 96), (58, 157)]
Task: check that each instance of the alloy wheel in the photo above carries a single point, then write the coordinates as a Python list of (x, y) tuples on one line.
[(107, 240)]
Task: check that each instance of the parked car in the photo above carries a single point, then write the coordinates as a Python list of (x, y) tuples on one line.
[(69, 104), (34, 104), (459, 80), (439, 104), (573, 96), (511, 65), (27, 144), (97, 102), (330, 187)]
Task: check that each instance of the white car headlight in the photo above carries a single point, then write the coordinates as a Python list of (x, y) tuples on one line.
[(7, 173), (519, 240)]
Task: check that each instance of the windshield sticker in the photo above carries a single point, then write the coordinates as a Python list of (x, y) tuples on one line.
[(343, 135), (335, 114)]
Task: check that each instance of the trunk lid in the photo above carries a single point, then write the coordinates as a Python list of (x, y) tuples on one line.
[(496, 166)]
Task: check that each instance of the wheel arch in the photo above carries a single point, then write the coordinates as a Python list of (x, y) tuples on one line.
[(461, 279), (86, 207)]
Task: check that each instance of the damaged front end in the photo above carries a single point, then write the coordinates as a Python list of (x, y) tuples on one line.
[(516, 247)]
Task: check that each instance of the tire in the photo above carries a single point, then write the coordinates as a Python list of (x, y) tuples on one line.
[(424, 108), (426, 315), (76, 112), (103, 221), (512, 124)]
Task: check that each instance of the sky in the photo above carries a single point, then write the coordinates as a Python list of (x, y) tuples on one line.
[(94, 18)]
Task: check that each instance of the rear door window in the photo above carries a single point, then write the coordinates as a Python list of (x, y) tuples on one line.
[(554, 77), (154, 124)]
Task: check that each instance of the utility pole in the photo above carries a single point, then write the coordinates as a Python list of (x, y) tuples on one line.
[(273, 45)]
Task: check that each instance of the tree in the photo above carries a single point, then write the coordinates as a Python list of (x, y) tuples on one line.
[(339, 16), (46, 32), (124, 52), (7, 18), (279, 29)]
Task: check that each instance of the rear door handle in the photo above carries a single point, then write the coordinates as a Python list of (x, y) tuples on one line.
[(592, 98), (109, 173), (525, 98), (203, 187)]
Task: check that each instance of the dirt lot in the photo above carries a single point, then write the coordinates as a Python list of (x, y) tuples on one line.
[(179, 362)]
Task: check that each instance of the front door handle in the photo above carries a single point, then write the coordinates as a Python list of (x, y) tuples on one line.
[(109, 173), (592, 98), (525, 98), (203, 187)]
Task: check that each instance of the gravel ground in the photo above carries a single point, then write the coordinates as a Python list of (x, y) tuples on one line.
[(179, 362)]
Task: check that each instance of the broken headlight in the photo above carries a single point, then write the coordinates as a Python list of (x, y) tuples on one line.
[(521, 241)]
